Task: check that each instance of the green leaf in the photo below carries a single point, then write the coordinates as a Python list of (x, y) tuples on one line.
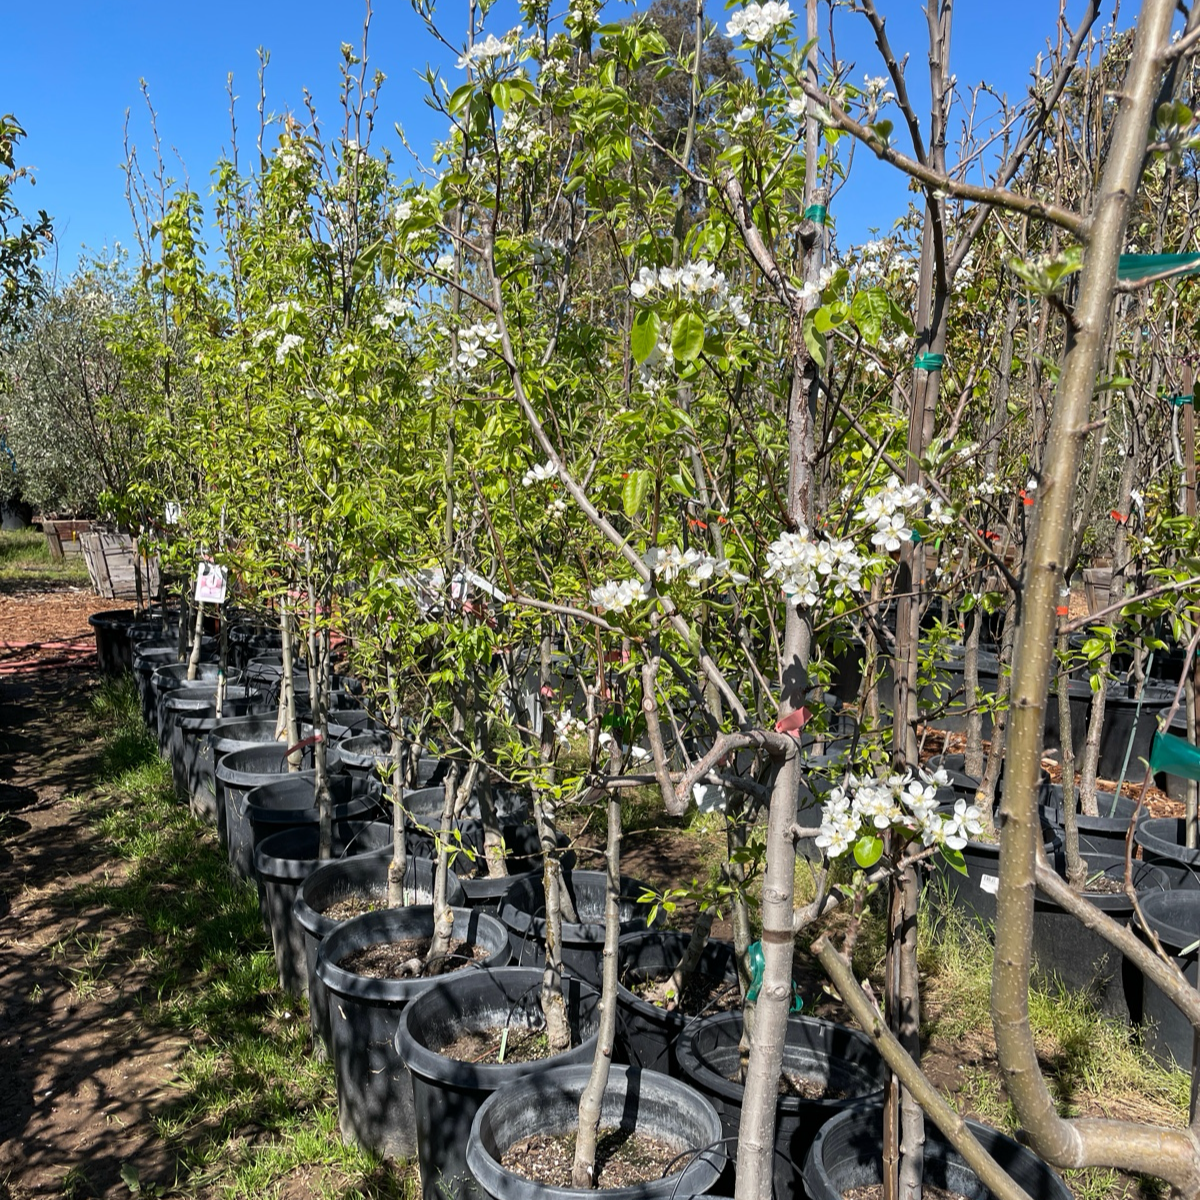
[(814, 341), (955, 859), (633, 493), (460, 98), (869, 308), (644, 338), (830, 316), (687, 337), (500, 94), (868, 850)]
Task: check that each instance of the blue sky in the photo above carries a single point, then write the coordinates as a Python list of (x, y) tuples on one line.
[(72, 69)]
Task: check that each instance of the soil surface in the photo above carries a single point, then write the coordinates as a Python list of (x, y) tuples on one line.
[(81, 1073), (623, 1159), (405, 959), (874, 1191), (354, 905), (484, 1045), (703, 994)]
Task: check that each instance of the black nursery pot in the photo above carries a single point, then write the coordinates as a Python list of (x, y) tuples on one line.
[(288, 803), (1081, 959), (975, 892), (1103, 834), (282, 862), (1163, 842), (114, 650), (646, 1032), (364, 876), (644, 1101), (1123, 723), (425, 804), (183, 748), (147, 658), (240, 771), (844, 1059), (847, 1153), (1175, 919), (524, 913), (374, 1088), (447, 1093)]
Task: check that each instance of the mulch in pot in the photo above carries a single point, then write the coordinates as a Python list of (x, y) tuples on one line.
[(623, 1158)]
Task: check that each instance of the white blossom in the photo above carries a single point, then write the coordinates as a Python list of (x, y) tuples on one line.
[(288, 343), (757, 22), (538, 474), (616, 597)]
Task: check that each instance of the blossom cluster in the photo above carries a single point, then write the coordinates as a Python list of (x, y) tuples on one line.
[(670, 562), (616, 596), (693, 281), (886, 510), (471, 341), (901, 802), (482, 53), (805, 565), (757, 22)]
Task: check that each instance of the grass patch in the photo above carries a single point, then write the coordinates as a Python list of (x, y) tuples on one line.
[(1092, 1064), (25, 558), (255, 1111)]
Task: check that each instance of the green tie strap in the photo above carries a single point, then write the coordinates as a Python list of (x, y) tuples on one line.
[(1175, 756), (1180, 400), (929, 361), (818, 213), (1136, 267)]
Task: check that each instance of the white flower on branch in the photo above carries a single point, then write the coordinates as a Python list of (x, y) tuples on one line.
[(616, 597), (288, 343), (758, 22), (538, 474)]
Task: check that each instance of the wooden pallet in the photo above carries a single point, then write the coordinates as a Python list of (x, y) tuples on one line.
[(63, 537), (111, 561)]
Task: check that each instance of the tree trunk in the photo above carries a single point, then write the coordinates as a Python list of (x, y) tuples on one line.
[(1076, 867), (197, 641), (323, 794), (398, 867), (583, 1172)]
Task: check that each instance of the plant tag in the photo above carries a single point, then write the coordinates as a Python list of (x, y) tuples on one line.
[(989, 884), (211, 582)]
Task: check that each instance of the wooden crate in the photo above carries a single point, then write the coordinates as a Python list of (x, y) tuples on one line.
[(63, 537), (111, 561)]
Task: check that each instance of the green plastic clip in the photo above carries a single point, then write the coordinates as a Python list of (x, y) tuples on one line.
[(757, 963)]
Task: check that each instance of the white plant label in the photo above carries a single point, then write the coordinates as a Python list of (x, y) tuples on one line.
[(173, 512), (211, 583), (989, 884)]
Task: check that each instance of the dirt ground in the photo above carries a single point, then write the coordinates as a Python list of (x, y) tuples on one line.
[(79, 1070)]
